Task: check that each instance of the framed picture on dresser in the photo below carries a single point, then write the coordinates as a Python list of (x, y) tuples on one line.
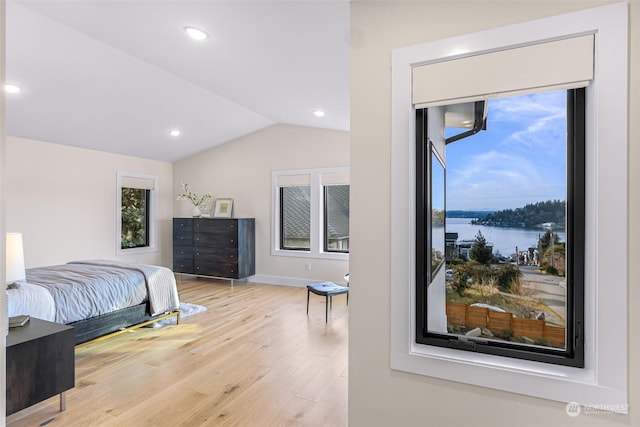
[(223, 208)]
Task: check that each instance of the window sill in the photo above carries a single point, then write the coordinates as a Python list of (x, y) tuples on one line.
[(310, 254), (546, 381), (148, 249)]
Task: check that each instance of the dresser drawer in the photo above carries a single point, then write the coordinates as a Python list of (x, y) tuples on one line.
[(183, 265), (183, 252), (182, 238), (184, 224), (215, 225), (224, 255), (207, 268), (215, 240)]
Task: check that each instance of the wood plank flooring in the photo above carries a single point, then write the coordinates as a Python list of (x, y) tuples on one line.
[(253, 358)]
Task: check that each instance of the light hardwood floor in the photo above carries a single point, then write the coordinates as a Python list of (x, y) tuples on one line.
[(253, 358)]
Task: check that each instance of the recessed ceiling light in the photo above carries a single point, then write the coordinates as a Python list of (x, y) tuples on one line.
[(318, 113), (11, 88), (196, 33), (175, 132)]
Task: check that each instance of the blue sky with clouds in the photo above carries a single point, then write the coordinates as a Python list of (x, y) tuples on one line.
[(519, 159)]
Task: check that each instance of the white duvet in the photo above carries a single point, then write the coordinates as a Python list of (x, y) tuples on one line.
[(85, 289), (31, 299)]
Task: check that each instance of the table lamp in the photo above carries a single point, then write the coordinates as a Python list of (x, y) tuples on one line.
[(15, 258), (14, 270)]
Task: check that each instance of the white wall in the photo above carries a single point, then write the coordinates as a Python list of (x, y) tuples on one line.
[(379, 396), (242, 170), (63, 200), (3, 295)]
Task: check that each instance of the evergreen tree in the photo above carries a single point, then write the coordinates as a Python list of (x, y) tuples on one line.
[(479, 250), (545, 241)]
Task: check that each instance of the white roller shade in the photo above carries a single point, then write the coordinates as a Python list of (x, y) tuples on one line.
[(553, 65), (293, 180), (137, 182), (334, 178)]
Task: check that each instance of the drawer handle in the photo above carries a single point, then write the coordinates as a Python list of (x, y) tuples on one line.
[(231, 256)]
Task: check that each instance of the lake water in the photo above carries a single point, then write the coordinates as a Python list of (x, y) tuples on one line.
[(503, 239)]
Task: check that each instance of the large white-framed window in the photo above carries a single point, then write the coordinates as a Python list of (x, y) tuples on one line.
[(310, 213), (603, 380), (136, 196)]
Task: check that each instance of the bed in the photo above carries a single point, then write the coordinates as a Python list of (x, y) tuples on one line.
[(96, 297)]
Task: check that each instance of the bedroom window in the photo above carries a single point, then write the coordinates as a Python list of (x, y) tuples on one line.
[(295, 218), (136, 213), (512, 229), (336, 218), (311, 213), (459, 77)]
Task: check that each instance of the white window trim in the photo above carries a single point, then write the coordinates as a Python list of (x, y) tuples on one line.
[(317, 215), (604, 378), (153, 226)]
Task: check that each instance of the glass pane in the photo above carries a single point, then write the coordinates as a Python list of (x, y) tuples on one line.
[(296, 217), (337, 218), (437, 212), (506, 195), (135, 218)]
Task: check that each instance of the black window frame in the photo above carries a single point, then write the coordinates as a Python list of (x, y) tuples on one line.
[(282, 224), (325, 229), (573, 354), (146, 219)]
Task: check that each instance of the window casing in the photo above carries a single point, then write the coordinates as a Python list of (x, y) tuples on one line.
[(136, 213), (310, 218), (604, 377)]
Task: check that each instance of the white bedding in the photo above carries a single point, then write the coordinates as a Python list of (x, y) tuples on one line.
[(85, 289), (31, 299), (162, 292)]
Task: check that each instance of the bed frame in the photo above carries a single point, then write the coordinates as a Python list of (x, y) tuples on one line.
[(117, 322)]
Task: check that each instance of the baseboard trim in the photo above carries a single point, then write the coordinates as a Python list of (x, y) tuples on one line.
[(284, 281)]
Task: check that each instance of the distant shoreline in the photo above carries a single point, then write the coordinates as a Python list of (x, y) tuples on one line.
[(468, 214)]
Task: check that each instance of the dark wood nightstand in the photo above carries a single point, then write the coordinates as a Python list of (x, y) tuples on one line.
[(40, 363)]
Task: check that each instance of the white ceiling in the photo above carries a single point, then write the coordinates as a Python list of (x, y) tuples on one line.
[(118, 75)]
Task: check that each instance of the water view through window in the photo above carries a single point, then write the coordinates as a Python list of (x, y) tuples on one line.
[(506, 193)]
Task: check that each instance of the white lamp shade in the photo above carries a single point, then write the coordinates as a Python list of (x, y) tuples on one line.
[(15, 258)]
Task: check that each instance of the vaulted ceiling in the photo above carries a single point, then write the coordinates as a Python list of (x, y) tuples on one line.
[(119, 75)]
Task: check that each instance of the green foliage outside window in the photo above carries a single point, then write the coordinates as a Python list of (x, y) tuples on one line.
[(135, 218), (480, 251)]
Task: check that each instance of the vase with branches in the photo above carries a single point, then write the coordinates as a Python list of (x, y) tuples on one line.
[(194, 198)]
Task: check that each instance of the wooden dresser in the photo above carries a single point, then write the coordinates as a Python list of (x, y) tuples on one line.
[(214, 247)]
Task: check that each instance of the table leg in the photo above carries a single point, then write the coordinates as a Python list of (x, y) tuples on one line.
[(63, 401)]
